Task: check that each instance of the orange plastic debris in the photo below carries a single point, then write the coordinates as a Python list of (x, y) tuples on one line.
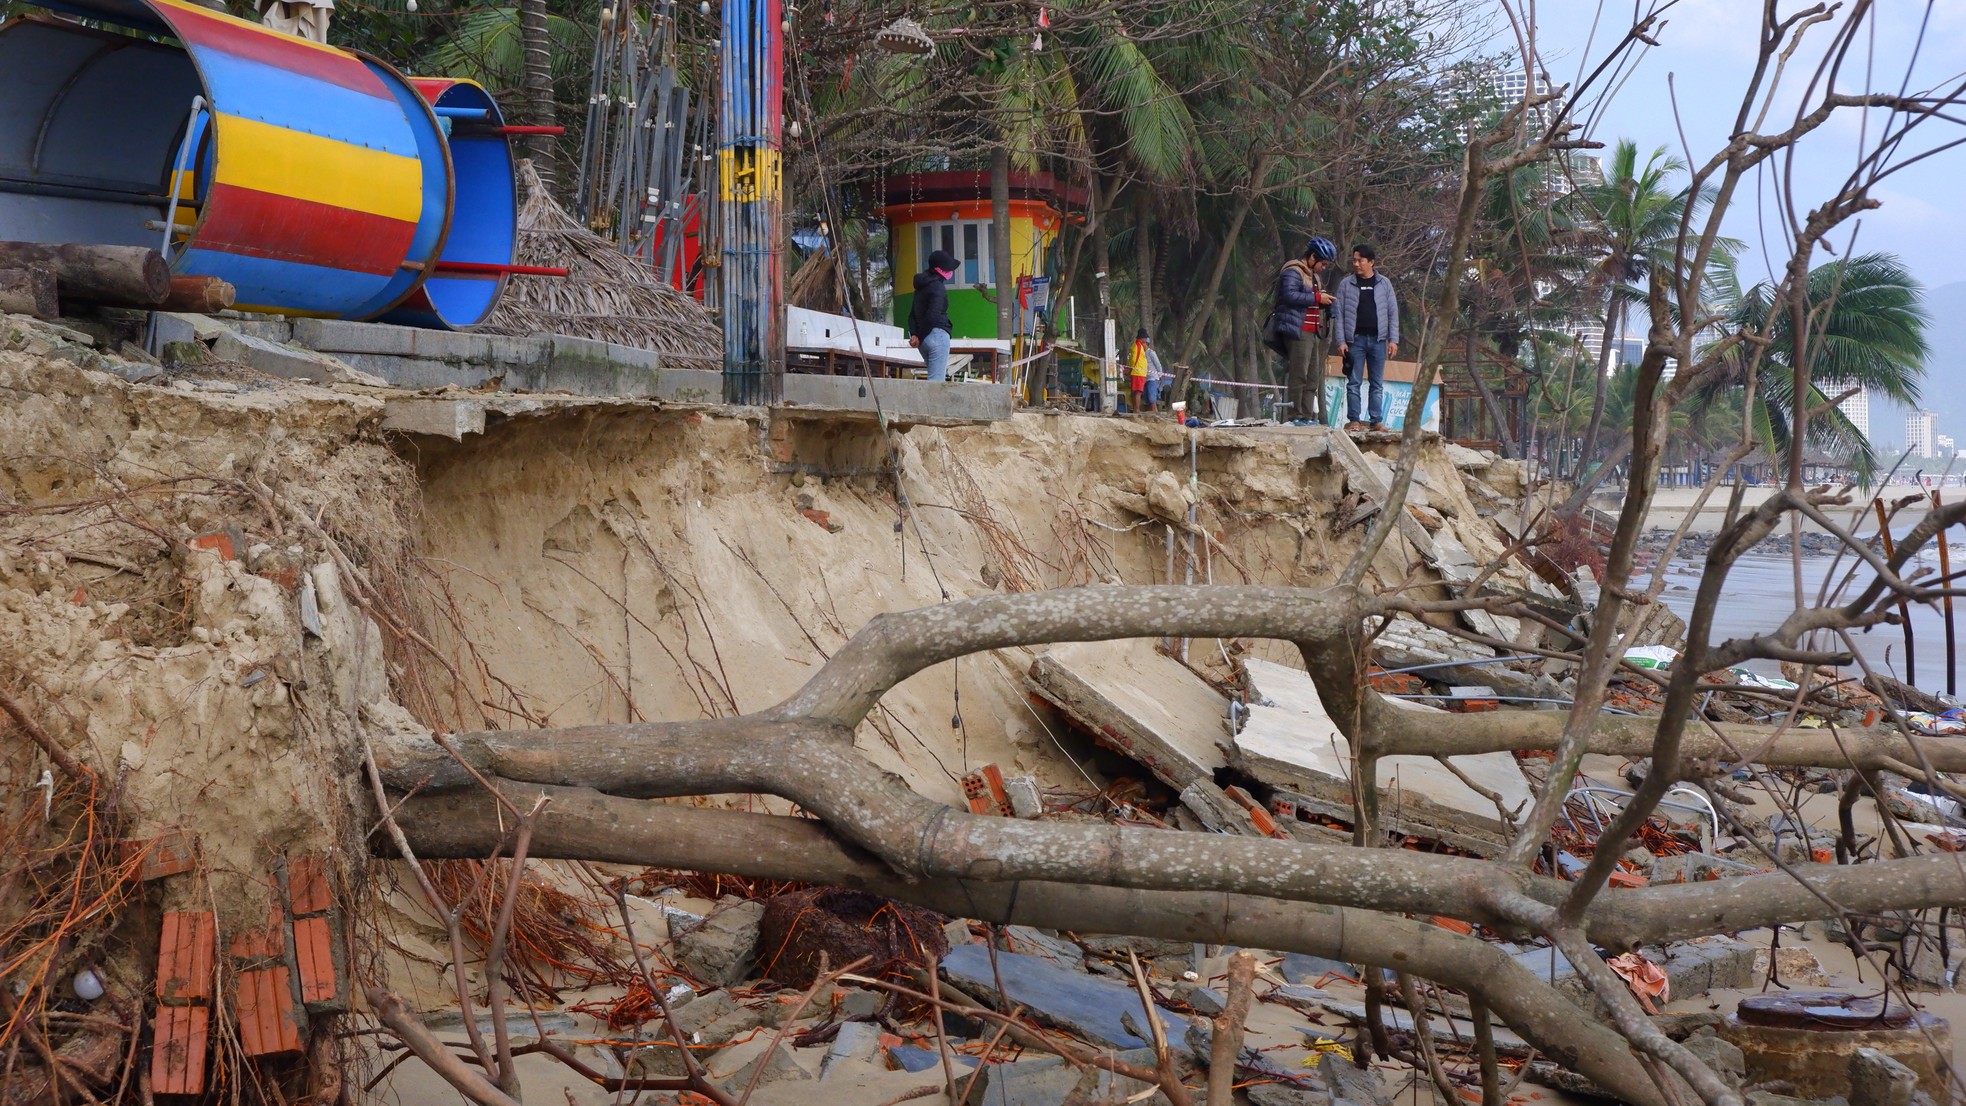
[(1646, 979)]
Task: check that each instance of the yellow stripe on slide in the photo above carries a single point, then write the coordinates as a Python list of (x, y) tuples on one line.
[(284, 162)]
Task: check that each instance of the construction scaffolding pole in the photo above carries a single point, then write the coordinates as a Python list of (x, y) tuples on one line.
[(750, 122)]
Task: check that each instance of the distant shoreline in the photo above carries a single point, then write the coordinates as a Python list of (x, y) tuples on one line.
[(1670, 505)]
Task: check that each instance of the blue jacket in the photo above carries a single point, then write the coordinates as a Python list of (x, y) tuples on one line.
[(1296, 287), (1347, 308)]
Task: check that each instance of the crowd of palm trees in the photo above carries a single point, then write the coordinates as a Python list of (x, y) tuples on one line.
[(1210, 140)]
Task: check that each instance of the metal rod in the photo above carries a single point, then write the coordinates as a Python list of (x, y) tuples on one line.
[(1904, 607), (1945, 572), (484, 268), (1516, 699), (1458, 664)]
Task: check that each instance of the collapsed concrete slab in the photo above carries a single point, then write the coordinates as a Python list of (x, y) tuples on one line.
[(1094, 1010), (1290, 742), (1139, 702)]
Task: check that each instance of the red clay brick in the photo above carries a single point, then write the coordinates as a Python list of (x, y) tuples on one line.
[(1621, 878), (307, 886), (184, 959), (167, 854), (977, 790), (993, 779), (265, 1012), (177, 1054), (219, 542), (263, 942), (1265, 824), (314, 953), (1454, 925)]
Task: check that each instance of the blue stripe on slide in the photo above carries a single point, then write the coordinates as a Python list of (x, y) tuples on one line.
[(263, 282), (254, 90)]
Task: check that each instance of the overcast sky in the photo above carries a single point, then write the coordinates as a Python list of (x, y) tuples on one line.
[(1707, 52)]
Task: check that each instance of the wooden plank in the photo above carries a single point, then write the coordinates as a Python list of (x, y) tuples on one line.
[(177, 1056), (184, 959)]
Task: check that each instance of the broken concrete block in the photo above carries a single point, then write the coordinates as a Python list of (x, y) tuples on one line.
[(1146, 948), (1283, 1094), (1302, 998), (719, 951), (1087, 1008), (1298, 967), (1350, 1085), (1217, 810), (915, 1058), (732, 1025), (436, 416), (703, 1010), (777, 1068), (1878, 1080), (1726, 1059), (1695, 867), (1044, 1081), (859, 1004), (1025, 799), (1145, 705), (856, 1042), (1038, 943), (1206, 1001), (288, 362), (1290, 741)]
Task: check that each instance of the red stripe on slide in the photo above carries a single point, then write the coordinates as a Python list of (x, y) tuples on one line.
[(281, 228), (240, 39)]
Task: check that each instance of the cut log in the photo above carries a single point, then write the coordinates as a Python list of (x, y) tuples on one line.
[(199, 295), (117, 276), (28, 291)]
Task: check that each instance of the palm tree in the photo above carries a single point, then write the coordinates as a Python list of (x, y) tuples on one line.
[(1866, 324), (1637, 223)]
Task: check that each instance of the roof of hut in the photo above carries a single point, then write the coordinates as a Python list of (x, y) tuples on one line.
[(606, 295)]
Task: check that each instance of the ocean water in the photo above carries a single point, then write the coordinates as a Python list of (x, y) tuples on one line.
[(1760, 593)]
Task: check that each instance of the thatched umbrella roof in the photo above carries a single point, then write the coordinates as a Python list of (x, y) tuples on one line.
[(605, 295)]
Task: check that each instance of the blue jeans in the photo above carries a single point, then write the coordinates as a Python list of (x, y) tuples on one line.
[(1365, 355), (935, 352)]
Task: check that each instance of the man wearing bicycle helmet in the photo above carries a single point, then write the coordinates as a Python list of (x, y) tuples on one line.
[(1294, 330)]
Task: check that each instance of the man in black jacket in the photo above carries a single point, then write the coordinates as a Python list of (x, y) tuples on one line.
[(928, 317)]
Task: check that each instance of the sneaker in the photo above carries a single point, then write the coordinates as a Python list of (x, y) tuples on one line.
[(1380, 428), (1354, 427), (1300, 422)]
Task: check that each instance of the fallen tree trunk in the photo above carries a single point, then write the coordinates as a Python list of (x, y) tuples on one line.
[(199, 295), (29, 290), (119, 276), (584, 824)]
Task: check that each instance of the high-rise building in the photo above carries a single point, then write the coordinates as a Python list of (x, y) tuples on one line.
[(1921, 433), (1578, 170), (1856, 408), (1500, 83), (1945, 445)]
